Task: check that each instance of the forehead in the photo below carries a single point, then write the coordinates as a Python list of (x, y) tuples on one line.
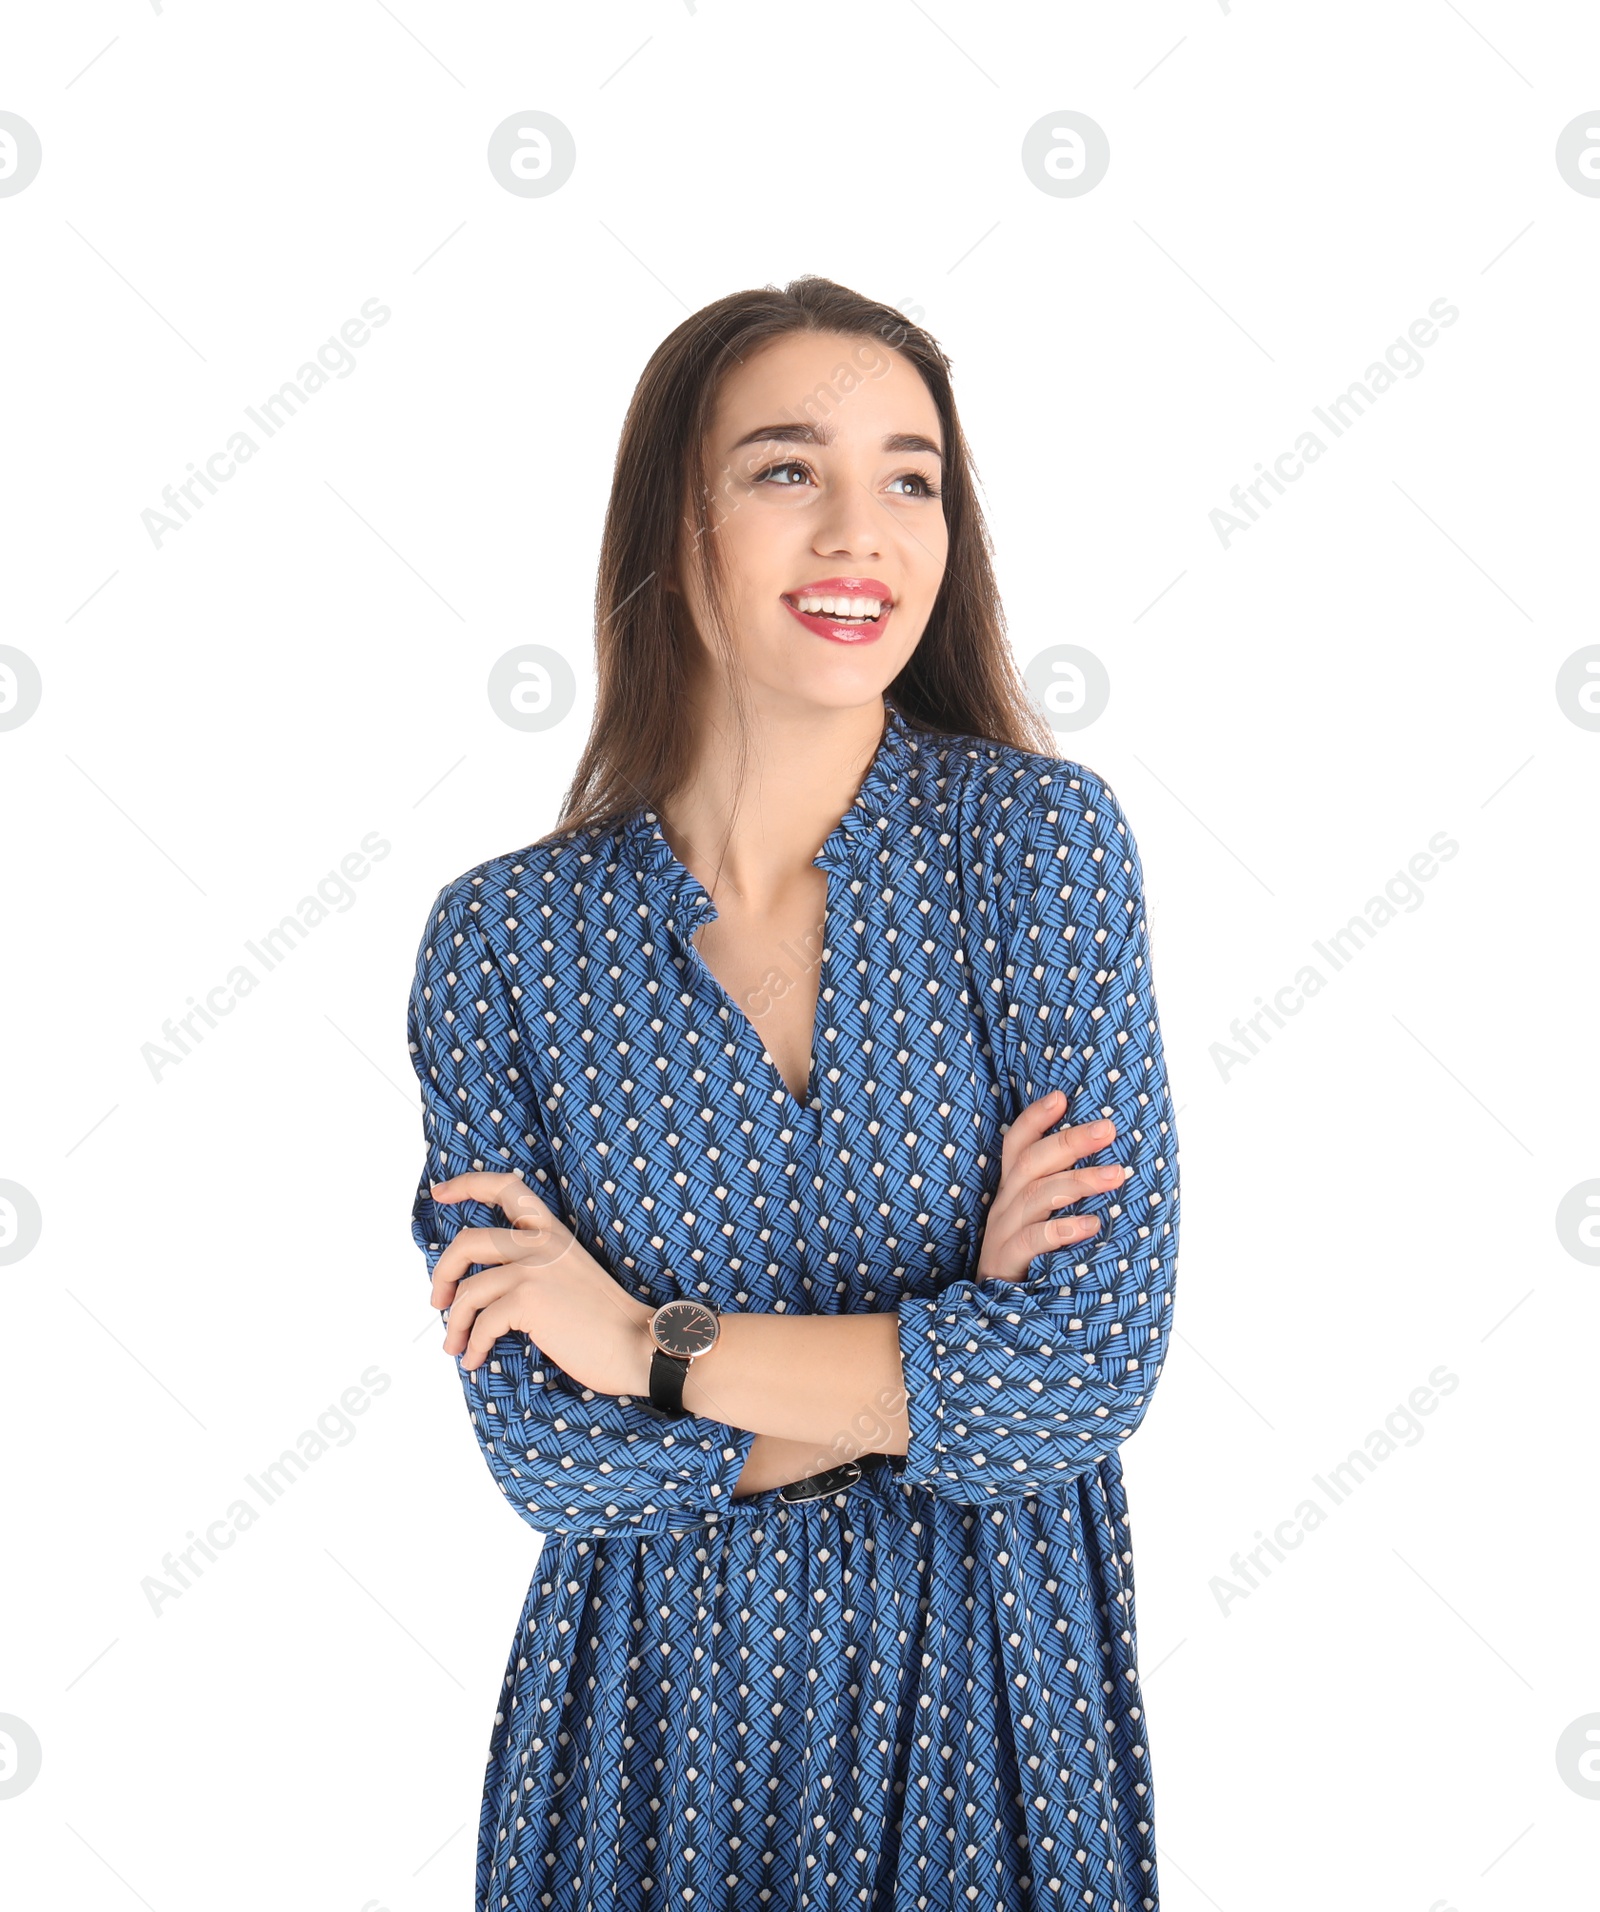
[(857, 386)]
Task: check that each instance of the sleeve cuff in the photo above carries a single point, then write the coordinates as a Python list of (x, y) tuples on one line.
[(919, 1356), (711, 1454)]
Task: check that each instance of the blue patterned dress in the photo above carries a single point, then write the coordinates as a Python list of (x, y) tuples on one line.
[(920, 1693)]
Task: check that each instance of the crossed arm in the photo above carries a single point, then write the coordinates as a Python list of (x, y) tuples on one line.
[(791, 1377), (1004, 1384), (788, 1376), (814, 1389)]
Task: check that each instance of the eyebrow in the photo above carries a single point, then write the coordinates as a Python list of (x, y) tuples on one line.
[(820, 435)]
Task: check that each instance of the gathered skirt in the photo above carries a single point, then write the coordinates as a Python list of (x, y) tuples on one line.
[(879, 1699)]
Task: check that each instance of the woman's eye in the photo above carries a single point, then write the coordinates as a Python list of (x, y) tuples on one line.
[(926, 488)]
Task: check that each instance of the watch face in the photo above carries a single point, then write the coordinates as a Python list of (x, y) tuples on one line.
[(684, 1328)]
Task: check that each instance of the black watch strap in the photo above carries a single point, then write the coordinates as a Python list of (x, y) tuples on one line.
[(667, 1373), (832, 1480)]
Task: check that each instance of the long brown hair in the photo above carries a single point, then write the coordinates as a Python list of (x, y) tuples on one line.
[(961, 679)]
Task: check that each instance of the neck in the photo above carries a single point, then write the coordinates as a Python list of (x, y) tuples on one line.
[(753, 839)]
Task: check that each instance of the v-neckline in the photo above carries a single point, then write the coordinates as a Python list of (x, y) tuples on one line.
[(693, 906), (807, 1104)]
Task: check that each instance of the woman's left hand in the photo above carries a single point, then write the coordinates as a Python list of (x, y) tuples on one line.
[(542, 1283), (1036, 1178)]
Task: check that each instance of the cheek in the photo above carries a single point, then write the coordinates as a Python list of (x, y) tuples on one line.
[(760, 551), (932, 553)]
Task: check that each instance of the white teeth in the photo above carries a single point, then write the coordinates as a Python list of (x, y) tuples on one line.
[(826, 606)]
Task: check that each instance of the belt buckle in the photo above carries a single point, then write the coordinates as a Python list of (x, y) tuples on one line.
[(832, 1480)]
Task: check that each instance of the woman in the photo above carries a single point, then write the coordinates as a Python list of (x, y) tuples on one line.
[(825, 1016)]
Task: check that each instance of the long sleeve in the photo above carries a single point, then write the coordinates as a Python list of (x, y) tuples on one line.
[(569, 1459), (1016, 1386)]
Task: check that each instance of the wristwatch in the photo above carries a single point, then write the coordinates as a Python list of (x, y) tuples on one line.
[(682, 1330)]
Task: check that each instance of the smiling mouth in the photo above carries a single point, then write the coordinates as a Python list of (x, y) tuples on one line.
[(851, 625), (864, 612)]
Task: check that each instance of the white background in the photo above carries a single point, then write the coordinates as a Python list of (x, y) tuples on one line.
[(1293, 716)]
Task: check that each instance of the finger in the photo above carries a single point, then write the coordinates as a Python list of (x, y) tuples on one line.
[(1053, 1152), (503, 1189), (492, 1322), (474, 1295), (1012, 1257), (531, 1246), (1029, 1131), (1035, 1199), (472, 1245), (479, 1184), (508, 1192), (1040, 1238), (1042, 1157), (1030, 1125)]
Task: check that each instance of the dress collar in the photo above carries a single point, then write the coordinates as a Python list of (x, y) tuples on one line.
[(872, 816)]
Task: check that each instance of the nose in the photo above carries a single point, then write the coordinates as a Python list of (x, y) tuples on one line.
[(850, 525)]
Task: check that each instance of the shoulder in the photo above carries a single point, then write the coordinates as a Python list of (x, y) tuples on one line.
[(1024, 811), (538, 879), (1047, 839)]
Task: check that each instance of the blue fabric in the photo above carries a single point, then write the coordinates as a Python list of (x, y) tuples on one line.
[(920, 1693)]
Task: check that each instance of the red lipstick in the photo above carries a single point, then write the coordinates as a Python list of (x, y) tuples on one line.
[(837, 629)]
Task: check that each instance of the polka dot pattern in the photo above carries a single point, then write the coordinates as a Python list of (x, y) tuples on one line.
[(922, 1692)]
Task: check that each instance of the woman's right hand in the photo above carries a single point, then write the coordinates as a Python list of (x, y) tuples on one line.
[(537, 1279), (1036, 1177)]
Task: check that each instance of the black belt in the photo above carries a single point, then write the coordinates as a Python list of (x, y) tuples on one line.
[(834, 1480)]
